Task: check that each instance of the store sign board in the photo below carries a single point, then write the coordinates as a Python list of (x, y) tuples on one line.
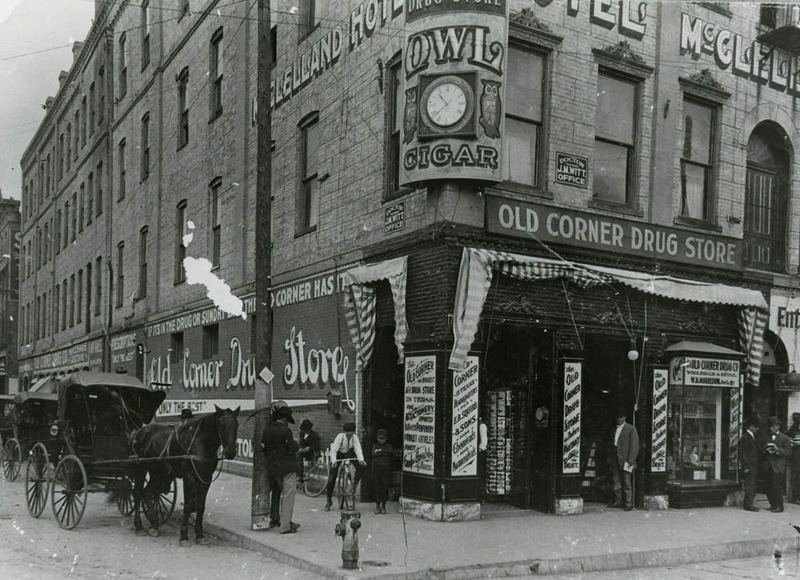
[(784, 321), (394, 218), (173, 407), (558, 225), (658, 456), (465, 420), (419, 419), (454, 70), (573, 380), (572, 170), (692, 371)]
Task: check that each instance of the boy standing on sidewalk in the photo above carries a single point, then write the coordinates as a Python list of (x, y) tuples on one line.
[(381, 470)]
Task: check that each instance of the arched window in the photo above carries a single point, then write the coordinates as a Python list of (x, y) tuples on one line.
[(766, 197)]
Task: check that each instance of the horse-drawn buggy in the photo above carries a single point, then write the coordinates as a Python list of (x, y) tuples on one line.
[(25, 420)]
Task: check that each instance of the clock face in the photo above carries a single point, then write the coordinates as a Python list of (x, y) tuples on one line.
[(446, 104)]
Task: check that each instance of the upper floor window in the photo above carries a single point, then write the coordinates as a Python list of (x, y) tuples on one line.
[(69, 145), (74, 222), (142, 290), (120, 273), (216, 228), (216, 73), (176, 346), (61, 156), (101, 94), (307, 203), (615, 138), (145, 147), (90, 199), (210, 341), (81, 202), (183, 108), (66, 224), (85, 119), (79, 298), (184, 7), (522, 139), (122, 170), (77, 132), (396, 107), (58, 232), (145, 33), (123, 65), (98, 285), (91, 109), (310, 16), (72, 301), (99, 188), (697, 161), (180, 247)]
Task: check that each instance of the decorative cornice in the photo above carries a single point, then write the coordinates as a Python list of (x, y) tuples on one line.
[(528, 19), (705, 78), (622, 57), (525, 26), (622, 50), (704, 84)]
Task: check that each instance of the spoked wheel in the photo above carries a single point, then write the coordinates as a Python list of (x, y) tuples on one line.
[(159, 505), (68, 492), (12, 459), (125, 496), (316, 476), (37, 480)]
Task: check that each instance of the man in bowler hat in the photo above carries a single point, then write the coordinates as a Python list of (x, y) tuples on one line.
[(776, 449), (624, 451), (281, 451), (748, 462)]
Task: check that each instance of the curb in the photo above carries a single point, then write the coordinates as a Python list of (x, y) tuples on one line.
[(677, 556)]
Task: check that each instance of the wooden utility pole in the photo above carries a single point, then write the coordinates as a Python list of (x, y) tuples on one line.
[(259, 512)]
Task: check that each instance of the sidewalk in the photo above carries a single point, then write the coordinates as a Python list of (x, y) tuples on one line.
[(393, 546)]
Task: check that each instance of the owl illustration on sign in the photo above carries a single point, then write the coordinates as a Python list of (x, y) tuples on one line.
[(491, 108), (410, 115)]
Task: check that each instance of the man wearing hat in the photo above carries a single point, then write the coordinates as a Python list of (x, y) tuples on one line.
[(622, 459), (309, 445), (794, 434), (281, 463), (345, 446), (382, 456), (777, 448), (748, 461), (186, 414)]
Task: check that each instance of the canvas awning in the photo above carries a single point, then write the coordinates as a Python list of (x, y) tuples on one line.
[(475, 276)]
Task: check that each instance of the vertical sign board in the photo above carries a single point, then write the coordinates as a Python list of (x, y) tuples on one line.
[(573, 378), (454, 90), (419, 419), (735, 425), (658, 455), (464, 455)]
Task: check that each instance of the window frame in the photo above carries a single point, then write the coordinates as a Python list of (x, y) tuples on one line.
[(393, 146), (309, 19), (177, 345), (210, 341), (183, 108), (123, 170), (216, 70), (98, 285), (141, 291), (145, 147), (120, 294), (145, 33), (710, 180), (180, 249), (215, 201), (307, 181), (123, 65)]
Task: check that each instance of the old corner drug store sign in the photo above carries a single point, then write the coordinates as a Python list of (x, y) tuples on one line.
[(574, 228)]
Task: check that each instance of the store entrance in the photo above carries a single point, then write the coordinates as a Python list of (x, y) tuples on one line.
[(515, 406), (608, 384)]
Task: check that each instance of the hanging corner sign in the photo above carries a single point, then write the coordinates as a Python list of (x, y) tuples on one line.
[(266, 375)]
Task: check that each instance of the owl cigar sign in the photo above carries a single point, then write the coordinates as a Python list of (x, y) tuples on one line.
[(454, 67)]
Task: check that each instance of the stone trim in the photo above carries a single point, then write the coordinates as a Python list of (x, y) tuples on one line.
[(621, 57)]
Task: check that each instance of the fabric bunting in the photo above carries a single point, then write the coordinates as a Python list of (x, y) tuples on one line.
[(475, 277), (360, 303)]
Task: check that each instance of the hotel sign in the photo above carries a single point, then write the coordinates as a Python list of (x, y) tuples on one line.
[(575, 228)]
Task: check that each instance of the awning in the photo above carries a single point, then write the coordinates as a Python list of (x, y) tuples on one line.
[(475, 276)]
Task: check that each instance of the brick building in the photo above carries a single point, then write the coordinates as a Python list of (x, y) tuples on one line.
[(542, 211), (9, 294)]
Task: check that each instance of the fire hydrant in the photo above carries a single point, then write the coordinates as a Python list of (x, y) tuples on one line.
[(347, 528)]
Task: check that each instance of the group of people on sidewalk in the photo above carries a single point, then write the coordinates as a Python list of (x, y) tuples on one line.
[(767, 455), (285, 456)]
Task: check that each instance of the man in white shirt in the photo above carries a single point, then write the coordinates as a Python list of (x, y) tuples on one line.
[(345, 446), (623, 460)]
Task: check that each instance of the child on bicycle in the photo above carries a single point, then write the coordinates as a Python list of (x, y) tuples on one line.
[(309, 446), (345, 446), (381, 470)]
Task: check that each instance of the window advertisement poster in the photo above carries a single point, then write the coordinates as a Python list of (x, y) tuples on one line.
[(465, 420), (658, 456), (573, 378), (420, 414)]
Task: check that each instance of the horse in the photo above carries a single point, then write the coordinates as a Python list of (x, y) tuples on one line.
[(188, 451)]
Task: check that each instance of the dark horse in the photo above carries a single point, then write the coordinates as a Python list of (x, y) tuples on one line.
[(188, 451)]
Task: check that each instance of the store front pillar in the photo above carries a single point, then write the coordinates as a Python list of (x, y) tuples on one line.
[(568, 500)]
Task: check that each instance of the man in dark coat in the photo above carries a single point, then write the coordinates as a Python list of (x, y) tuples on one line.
[(794, 435), (281, 463), (777, 448), (748, 460), (310, 445), (624, 451)]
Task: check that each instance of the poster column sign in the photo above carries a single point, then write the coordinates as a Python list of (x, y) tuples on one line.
[(453, 107), (465, 420), (573, 378), (420, 414), (658, 457), (735, 426)]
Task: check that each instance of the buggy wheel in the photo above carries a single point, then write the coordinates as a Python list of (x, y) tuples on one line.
[(159, 505), (68, 492), (316, 476), (12, 459), (124, 493), (37, 480)]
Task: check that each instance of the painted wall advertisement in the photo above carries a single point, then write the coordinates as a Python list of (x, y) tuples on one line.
[(573, 379), (784, 321), (311, 350), (693, 371), (454, 86), (658, 455), (465, 420), (419, 419)]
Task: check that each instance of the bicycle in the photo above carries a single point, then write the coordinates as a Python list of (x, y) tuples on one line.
[(315, 474), (345, 482)]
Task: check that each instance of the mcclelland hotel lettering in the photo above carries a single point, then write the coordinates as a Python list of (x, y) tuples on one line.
[(574, 228)]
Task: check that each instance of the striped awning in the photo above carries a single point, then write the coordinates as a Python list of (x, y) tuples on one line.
[(359, 305), (475, 276)]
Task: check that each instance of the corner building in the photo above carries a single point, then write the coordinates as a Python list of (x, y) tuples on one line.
[(533, 213)]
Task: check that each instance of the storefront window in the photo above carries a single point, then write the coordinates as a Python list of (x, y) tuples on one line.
[(700, 424)]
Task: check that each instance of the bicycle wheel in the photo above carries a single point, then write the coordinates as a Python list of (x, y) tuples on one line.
[(316, 477)]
